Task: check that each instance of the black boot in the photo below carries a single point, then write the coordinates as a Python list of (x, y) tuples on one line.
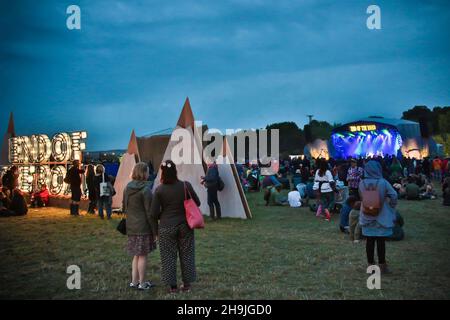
[(71, 209), (211, 212), (219, 212), (75, 210)]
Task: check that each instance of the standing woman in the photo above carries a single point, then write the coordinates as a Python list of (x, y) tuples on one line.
[(104, 197), (137, 199), (175, 236), (324, 186), (90, 175), (211, 182), (376, 228), (74, 175)]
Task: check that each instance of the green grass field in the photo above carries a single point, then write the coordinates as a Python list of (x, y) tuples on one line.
[(282, 253)]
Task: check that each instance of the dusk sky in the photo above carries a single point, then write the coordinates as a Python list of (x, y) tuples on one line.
[(243, 63)]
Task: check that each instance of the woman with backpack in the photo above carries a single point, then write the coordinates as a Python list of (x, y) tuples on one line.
[(378, 200), (324, 186)]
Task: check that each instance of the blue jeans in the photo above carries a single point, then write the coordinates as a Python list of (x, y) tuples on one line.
[(104, 202)]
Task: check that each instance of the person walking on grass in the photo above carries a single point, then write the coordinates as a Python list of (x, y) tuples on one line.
[(73, 178), (137, 199), (324, 186), (175, 236), (103, 192), (377, 216)]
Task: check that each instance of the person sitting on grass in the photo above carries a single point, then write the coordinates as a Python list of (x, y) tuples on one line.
[(276, 198), (18, 203), (397, 231), (429, 193), (345, 211), (294, 198), (446, 192), (354, 227), (296, 178), (41, 198), (412, 189), (5, 203)]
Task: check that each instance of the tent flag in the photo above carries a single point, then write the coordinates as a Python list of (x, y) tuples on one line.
[(129, 159), (10, 132)]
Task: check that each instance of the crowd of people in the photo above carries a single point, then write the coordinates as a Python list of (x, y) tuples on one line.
[(347, 186), (364, 191)]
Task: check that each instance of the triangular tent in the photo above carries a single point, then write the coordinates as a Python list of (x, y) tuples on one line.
[(129, 159), (10, 132), (191, 172), (232, 198)]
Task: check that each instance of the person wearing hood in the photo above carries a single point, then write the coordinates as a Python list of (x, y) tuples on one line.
[(137, 199), (377, 227)]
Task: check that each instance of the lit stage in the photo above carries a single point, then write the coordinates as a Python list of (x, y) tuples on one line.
[(366, 140)]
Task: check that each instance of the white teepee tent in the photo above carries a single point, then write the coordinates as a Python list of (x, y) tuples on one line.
[(125, 169), (191, 172)]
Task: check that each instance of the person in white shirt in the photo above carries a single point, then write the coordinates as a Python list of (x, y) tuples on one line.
[(324, 185), (294, 198)]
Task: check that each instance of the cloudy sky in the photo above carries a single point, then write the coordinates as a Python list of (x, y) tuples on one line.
[(243, 63)]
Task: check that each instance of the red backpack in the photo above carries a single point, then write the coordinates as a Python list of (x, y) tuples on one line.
[(371, 201)]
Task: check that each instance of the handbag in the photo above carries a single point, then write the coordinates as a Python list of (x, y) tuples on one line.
[(194, 216), (104, 187), (122, 226)]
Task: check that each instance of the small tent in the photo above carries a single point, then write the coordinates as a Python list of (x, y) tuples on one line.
[(129, 159), (10, 132)]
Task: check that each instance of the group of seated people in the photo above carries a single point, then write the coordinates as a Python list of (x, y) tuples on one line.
[(415, 187), (13, 202)]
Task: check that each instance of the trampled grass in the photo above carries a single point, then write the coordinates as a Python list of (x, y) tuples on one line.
[(282, 253)]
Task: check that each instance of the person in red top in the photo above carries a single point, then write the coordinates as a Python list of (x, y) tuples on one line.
[(41, 198), (437, 163)]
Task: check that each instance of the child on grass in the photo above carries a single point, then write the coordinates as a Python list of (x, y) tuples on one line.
[(354, 227)]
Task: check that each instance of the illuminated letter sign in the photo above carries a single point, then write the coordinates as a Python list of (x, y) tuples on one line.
[(44, 161), (364, 127)]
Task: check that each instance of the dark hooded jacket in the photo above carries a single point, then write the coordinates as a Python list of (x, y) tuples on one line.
[(137, 199), (372, 174)]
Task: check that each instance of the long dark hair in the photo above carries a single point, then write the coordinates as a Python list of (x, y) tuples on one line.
[(90, 171), (323, 167), (168, 172)]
